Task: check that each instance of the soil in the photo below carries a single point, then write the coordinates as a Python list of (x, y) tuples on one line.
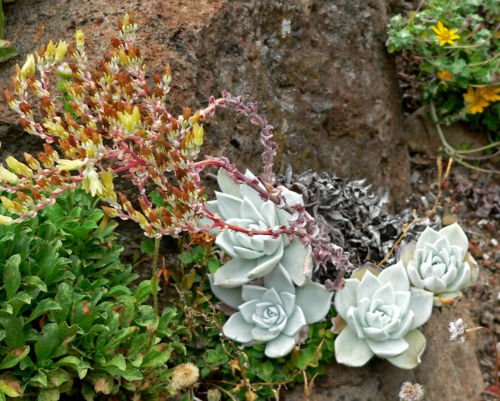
[(472, 199)]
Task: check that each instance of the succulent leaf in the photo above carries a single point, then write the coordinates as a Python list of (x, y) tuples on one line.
[(439, 262), (380, 312)]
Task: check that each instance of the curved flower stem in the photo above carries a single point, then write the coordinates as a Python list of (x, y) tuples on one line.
[(154, 278), (450, 150)]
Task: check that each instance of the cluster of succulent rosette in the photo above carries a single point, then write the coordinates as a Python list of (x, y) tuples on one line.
[(266, 280), (381, 311), (111, 120)]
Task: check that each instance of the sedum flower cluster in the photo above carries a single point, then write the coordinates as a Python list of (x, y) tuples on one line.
[(383, 310), (266, 279), (99, 123)]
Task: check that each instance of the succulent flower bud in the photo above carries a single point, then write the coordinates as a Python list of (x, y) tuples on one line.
[(6, 175), (62, 48), (5, 220), (50, 51), (70, 165), (79, 39), (18, 167), (28, 68)]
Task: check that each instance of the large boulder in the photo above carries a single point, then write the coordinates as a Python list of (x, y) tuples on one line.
[(318, 69)]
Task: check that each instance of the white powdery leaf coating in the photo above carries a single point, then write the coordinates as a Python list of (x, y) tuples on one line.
[(440, 263), (382, 315), (275, 314), (255, 256)]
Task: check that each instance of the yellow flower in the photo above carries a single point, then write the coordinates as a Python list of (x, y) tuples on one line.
[(6, 175), (51, 50), (70, 165), (474, 101), (130, 120), (444, 75), (490, 93), (107, 181), (12, 206), (80, 39), (18, 167), (62, 48), (5, 220), (28, 68), (55, 128), (91, 182), (445, 35)]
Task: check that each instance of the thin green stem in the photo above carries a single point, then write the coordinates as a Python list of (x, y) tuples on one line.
[(450, 150), (154, 279)]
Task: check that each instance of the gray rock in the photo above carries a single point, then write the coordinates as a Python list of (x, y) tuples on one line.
[(449, 370), (318, 69)]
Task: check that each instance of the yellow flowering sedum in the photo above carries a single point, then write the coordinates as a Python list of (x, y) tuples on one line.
[(5, 220), (28, 68), (130, 121), (445, 35), (6, 175), (70, 165), (18, 167), (91, 182), (80, 39)]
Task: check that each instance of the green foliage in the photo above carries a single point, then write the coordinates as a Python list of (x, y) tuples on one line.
[(227, 369), (70, 322), (459, 75), (7, 49)]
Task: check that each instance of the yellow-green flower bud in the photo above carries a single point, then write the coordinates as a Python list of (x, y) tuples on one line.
[(29, 67), (5, 220), (12, 206), (8, 176), (198, 134), (70, 165), (62, 48), (130, 120), (18, 167), (50, 52), (80, 39)]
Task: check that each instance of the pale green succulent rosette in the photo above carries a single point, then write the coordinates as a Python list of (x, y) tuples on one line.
[(255, 256), (382, 315), (275, 313), (439, 262)]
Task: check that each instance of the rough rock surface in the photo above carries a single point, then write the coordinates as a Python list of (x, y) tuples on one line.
[(320, 72), (449, 370), (318, 68)]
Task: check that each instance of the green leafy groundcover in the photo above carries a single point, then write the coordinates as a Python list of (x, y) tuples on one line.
[(226, 369), (75, 323), (459, 75), (70, 322)]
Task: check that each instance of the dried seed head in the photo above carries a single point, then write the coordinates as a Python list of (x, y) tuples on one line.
[(185, 375)]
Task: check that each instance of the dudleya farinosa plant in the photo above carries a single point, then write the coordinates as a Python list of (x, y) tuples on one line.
[(265, 281), (439, 262), (255, 256), (382, 315), (274, 313)]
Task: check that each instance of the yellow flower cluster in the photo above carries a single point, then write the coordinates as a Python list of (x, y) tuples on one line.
[(477, 99), (445, 35)]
